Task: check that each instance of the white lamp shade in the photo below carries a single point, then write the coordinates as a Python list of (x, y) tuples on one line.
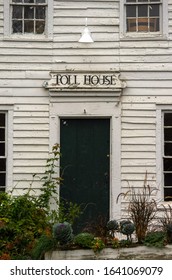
[(86, 36)]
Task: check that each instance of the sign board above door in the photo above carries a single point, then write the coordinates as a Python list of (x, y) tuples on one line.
[(82, 81)]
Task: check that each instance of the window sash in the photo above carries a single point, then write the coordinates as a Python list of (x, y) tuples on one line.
[(148, 22), (24, 24)]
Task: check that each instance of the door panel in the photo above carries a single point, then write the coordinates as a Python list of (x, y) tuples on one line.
[(85, 166)]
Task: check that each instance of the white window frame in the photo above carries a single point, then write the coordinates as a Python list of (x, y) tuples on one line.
[(8, 111), (163, 33), (8, 24)]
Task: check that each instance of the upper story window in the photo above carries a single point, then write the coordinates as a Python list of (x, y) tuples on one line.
[(143, 15), (144, 18), (28, 16)]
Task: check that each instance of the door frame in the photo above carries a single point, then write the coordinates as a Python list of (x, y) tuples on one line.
[(85, 107)]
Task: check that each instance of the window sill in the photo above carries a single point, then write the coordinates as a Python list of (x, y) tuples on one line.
[(28, 38), (143, 36)]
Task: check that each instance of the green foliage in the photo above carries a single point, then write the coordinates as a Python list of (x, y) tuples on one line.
[(112, 226), (166, 222), (127, 228), (84, 239), (68, 211), (115, 243), (62, 232), (156, 239), (125, 243), (21, 222), (50, 180), (26, 218), (44, 244), (61, 210), (98, 244)]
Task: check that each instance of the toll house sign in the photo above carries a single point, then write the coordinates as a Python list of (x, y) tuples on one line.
[(84, 81)]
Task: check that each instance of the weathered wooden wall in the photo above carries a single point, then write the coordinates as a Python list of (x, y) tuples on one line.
[(146, 65)]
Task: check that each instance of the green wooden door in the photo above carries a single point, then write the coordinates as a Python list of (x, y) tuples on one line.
[(85, 167)]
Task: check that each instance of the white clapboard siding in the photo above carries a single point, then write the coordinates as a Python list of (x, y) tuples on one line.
[(145, 65), (30, 138)]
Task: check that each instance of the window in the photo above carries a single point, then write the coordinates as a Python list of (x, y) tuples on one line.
[(143, 16), (28, 16), (167, 156), (2, 151), (32, 19)]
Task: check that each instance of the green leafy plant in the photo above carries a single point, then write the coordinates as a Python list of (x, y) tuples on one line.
[(98, 244), (22, 221), (44, 244), (57, 209), (156, 239), (112, 226), (115, 243), (127, 228), (50, 181), (125, 243), (26, 218), (62, 232), (166, 221), (84, 239)]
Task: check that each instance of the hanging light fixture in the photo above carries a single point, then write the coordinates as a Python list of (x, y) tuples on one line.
[(86, 35)]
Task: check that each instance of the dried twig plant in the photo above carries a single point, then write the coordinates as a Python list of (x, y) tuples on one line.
[(142, 208)]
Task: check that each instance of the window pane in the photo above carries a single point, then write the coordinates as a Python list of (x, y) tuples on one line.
[(2, 134), (2, 149), (143, 24), (2, 179), (40, 27), (29, 26), (154, 10), (2, 164), (168, 134), (17, 12), (168, 119), (28, 1), (131, 24), (29, 12), (167, 164), (168, 149), (168, 194), (142, 10), (17, 1), (2, 119), (17, 26), (40, 13), (154, 24), (168, 179), (40, 1), (131, 11)]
